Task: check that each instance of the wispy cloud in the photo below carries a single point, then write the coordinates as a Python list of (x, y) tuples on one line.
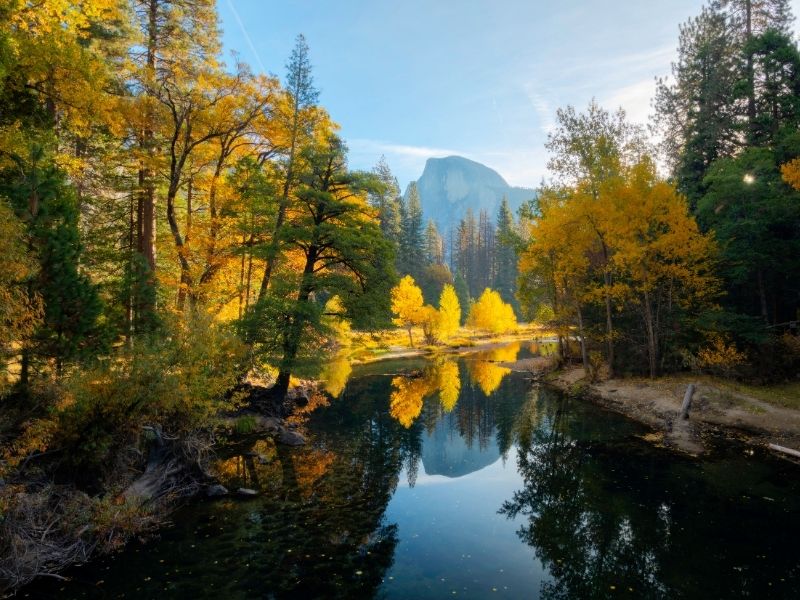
[(634, 98), (545, 112), (366, 145), (246, 36)]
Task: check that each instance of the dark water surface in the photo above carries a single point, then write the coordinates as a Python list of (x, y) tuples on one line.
[(458, 478)]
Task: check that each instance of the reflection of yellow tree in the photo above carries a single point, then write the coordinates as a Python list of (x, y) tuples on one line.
[(485, 373), (409, 393), (449, 384), (405, 403), (335, 375)]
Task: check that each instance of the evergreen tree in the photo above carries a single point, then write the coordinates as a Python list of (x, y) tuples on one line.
[(413, 240), (70, 328), (385, 200), (505, 279)]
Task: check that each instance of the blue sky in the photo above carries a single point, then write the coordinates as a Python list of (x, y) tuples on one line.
[(413, 79)]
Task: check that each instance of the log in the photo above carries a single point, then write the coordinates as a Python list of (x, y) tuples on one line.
[(687, 401), (785, 450)]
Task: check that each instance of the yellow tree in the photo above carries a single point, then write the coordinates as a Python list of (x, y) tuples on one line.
[(492, 314), (662, 254), (558, 255), (449, 312), (407, 305)]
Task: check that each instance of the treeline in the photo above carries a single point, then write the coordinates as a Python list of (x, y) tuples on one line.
[(700, 270), (170, 223), (480, 253)]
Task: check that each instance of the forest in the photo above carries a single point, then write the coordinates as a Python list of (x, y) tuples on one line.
[(178, 229)]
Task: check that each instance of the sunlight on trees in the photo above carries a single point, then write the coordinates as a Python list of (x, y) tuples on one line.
[(490, 313)]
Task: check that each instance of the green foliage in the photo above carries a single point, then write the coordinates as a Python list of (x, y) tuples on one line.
[(178, 382), (71, 327)]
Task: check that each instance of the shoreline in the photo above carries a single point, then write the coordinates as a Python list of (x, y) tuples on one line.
[(717, 409)]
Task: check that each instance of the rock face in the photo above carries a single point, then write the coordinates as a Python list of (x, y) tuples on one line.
[(451, 185)]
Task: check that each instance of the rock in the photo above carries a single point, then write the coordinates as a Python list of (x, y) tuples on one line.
[(216, 491), (291, 438), (247, 492), (263, 460)]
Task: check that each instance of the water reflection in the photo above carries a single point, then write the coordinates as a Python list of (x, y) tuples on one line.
[(606, 517), (425, 478)]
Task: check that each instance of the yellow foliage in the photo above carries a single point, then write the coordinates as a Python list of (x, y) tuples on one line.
[(335, 374), (484, 371), (405, 403), (429, 320), (407, 304), (449, 383), (791, 173), (492, 314), (449, 312), (720, 356)]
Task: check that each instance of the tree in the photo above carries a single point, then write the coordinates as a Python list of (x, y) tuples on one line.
[(406, 305), (505, 278), (70, 327), (755, 217), (449, 312), (412, 242), (385, 200), (696, 112), (590, 151), (664, 257), (340, 249), (491, 313), (20, 313), (300, 119)]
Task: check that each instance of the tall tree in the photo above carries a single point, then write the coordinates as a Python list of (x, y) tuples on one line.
[(300, 119), (505, 278), (412, 244), (340, 248)]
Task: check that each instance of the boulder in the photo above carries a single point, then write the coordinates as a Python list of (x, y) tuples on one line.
[(216, 491), (291, 438)]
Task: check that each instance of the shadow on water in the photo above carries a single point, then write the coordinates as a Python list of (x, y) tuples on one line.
[(453, 475)]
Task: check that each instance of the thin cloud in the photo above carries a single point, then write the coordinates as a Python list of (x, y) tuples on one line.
[(246, 36)]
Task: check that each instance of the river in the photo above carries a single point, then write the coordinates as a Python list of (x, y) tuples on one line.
[(457, 477)]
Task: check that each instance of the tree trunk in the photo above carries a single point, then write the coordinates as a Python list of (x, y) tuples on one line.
[(584, 353), (294, 333), (652, 341)]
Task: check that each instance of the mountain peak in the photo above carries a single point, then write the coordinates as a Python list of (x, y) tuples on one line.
[(452, 184)]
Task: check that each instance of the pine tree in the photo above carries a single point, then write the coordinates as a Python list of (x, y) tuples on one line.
[(302, 96), (413, 240), (385, 201), (505, 279)]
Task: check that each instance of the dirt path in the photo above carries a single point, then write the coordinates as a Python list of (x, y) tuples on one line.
[(657, 403)]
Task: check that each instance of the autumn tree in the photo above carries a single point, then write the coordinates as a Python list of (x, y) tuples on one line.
[(449, 312), (407, 305), (490, 313)]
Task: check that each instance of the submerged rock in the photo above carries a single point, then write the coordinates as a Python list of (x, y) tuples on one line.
[(291, 438), (216, 491)]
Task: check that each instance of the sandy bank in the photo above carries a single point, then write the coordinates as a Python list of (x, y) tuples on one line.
[(716, 409)]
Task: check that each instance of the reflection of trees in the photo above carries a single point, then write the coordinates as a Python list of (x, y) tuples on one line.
[(335, 374), (321, 529), (409, 392), (606, 517), (483, 370)]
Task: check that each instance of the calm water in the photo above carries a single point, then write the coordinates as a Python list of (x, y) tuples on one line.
[(458, 478)]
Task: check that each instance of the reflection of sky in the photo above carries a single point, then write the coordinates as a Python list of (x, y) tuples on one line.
[(480, 557)]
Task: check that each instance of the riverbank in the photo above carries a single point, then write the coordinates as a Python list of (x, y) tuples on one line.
[(754, 415), (389, 345)]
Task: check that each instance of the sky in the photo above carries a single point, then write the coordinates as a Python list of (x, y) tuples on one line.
[(415, 79)]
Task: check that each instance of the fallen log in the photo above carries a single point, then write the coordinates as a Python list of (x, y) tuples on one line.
[(687, 401), (785, 450)]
